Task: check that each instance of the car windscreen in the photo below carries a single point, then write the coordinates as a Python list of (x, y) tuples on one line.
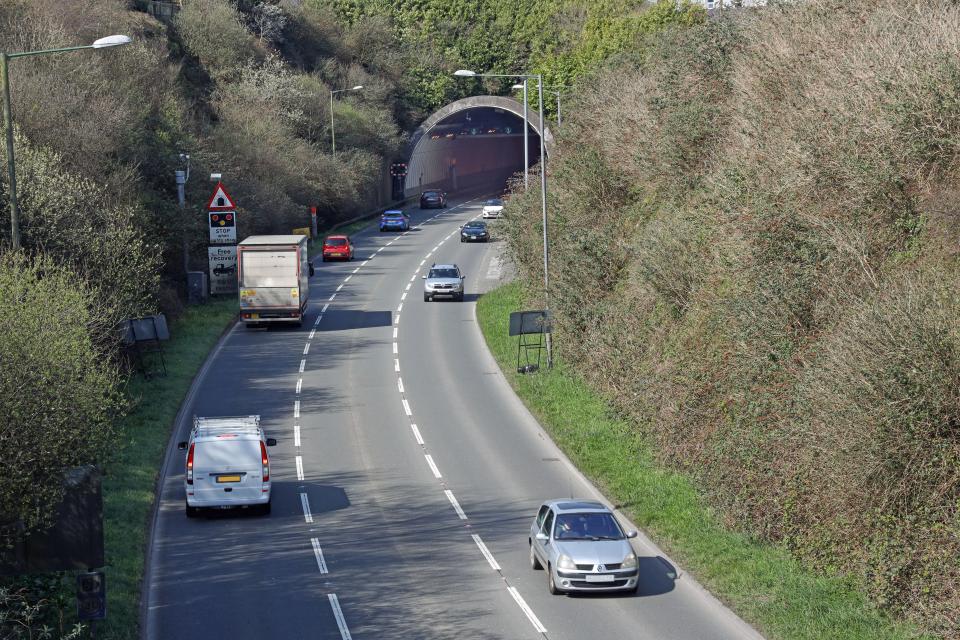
[(496, 202), (586, 526), (336, 242), (269, 269), (444, 273), (475, 226)]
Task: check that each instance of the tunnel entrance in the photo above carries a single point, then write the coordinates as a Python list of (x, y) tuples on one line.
[(471, 144)]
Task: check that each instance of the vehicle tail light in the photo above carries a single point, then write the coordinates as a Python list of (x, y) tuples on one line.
[(265, 461), (190, 464)]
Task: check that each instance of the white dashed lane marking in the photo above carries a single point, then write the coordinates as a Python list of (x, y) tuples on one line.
[(296, 435), (433, 466), (303, 363), (306, 348), (300, 468), (296, 409), (305, 503), (406, 407), (318, 554), (456, 505), (486, 553), (527, 610), (416, 434), (338, 614)]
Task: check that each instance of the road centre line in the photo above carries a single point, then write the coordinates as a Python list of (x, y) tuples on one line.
[(324, 310), (347, 279), (338, 614), (299, 385), (416, 434), (313, 332), (340, 287), (435, 248), (422, 262), (307, 516), (318, 554), (364, 263), (332, 296), (409, 284), (303, 363), (300, 468), (306, 348), (414, 276), (486, 552), (404, 296), (399, 307), (296, 409), (531, 616), (396, 365), (433, 466), (400, 384), (296, 435), (456, 505), (395, 332), (406, 407), (355, 270), (396, 319), (395, 348)]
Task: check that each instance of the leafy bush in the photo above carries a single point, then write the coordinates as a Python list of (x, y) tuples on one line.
[(59, 394)]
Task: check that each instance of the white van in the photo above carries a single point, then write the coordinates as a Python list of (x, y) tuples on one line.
[(227, 464)]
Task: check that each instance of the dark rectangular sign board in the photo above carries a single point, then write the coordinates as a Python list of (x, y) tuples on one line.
[(527, 322)]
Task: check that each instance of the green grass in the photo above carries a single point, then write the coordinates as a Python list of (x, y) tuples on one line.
[(130, 482), (761, 582)]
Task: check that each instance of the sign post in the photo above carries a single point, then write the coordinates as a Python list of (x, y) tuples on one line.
[(222, 254)]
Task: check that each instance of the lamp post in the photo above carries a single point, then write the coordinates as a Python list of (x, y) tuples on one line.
[(526, 146), (333, 137), (5, 58), (466, 73)]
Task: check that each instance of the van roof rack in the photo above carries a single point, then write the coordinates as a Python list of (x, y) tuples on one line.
[(222, 423)]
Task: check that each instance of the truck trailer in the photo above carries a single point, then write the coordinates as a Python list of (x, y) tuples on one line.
[(274, 277)]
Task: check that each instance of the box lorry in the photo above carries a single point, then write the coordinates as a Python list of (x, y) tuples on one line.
[(227, 465), (274, 277)]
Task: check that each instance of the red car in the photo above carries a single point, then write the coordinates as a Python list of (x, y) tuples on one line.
[(337, 247)]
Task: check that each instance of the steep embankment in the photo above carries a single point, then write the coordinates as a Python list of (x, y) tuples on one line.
[(754, 259)]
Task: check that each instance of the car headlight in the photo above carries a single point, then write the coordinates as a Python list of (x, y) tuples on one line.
[(629, 561), (565, 563)]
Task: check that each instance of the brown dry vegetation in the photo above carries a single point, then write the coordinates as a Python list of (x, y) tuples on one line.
[(754, 259)]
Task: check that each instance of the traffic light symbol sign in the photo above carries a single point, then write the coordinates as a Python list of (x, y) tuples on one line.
[(222, 219)]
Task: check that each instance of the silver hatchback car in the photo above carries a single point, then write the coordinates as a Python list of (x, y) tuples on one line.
[(582, 547)]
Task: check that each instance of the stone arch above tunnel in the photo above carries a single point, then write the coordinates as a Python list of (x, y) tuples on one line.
[(427, 166)]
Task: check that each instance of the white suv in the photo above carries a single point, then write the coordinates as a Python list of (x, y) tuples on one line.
[(443, 281), (227, 464)]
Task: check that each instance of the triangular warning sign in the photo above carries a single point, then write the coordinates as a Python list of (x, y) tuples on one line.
[(220, 199)]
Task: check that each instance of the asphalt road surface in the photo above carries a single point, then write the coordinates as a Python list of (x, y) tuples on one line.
[(404, 481)]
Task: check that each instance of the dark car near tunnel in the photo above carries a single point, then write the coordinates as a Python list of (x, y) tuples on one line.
[(433, 199)]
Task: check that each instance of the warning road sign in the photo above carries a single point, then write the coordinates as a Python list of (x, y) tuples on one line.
[(220, 201), (223, 227)]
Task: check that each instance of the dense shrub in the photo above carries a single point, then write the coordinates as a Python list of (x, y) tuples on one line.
[(753, 258)]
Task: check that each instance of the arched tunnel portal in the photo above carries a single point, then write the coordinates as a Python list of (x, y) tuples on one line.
[(472, 144)]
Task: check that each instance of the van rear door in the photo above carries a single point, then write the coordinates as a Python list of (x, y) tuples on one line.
[(227, 469)]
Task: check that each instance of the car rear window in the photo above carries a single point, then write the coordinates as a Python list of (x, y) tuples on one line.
[(393, 215), (336, 242), (227, 453)]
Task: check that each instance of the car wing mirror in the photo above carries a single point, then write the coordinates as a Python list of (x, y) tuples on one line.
[(423, 277), (463, 276), (181, 445), (271, 442), (542, 537), (631, 534)]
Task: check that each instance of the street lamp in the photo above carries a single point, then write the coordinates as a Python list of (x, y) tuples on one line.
[(466, 73), (102, 43), (526, 146), (333, 137)]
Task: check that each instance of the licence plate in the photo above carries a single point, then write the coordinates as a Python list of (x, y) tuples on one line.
[(336, 255), (254, 316), (600, 578), (233, 478)]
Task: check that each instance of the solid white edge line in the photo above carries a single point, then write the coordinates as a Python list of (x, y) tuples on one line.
[(296, 409), (300, 468), (531, 616), (299, 385), (303, 363), (338, 614), (416, 434), (396, 365), (433, 466), (318, 554), (486, 553), (296, 435), (456, 505), (307, 516), (406, 407), (400, 384)]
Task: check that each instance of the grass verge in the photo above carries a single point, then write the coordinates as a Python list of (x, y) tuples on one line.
[(130, 482), (761, 582)]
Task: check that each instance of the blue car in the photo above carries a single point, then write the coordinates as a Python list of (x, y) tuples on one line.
[(394, 220)]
